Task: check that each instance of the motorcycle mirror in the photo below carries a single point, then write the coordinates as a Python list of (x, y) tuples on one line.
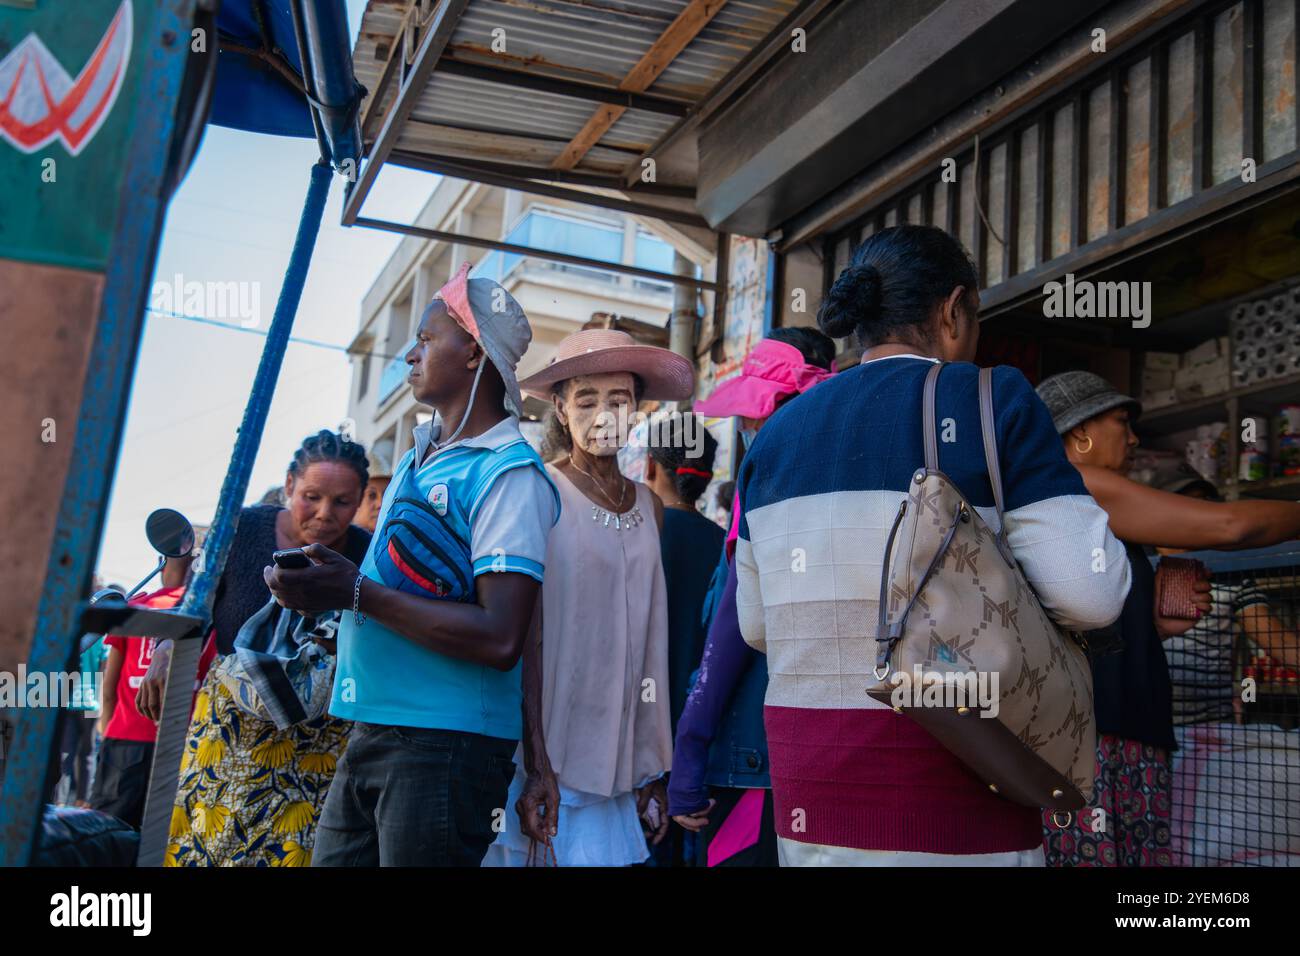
[(170, 533), (108, 596)]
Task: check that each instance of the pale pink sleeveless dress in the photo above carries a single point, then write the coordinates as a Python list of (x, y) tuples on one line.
[(605, 679)]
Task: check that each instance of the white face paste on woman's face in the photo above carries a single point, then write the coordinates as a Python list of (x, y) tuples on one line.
[(598, 410)]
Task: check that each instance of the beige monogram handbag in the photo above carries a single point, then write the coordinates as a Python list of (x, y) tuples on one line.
[(961, 633)]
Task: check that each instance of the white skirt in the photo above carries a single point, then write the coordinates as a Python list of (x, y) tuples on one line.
[(592, 831)]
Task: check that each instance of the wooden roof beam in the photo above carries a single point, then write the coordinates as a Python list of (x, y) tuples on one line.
[(653, 62)]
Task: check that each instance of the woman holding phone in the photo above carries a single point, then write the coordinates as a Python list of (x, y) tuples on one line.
[(250, 794)]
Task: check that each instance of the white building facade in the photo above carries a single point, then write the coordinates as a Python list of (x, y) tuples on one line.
[(558, 298)]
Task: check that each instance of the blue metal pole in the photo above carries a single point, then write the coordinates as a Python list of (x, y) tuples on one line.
[(198, 599), (216, 547)]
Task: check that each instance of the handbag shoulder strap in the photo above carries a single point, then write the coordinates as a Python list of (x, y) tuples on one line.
[(987, 428), (927, 416)]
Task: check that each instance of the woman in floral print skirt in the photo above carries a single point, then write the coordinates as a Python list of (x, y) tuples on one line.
[(250, 794)]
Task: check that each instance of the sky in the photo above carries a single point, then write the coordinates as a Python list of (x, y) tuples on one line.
[(233, 220)]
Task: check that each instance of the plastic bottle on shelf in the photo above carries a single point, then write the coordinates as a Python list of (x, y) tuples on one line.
[(1252, 466), (1288, 440)]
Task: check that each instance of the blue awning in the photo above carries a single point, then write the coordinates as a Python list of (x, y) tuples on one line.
[(253, 94)]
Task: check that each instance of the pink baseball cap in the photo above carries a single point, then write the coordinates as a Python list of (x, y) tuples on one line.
[(772, 370)]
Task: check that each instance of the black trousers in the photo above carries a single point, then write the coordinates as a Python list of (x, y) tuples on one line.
[(76, 751), (406, 796), (122, 778)]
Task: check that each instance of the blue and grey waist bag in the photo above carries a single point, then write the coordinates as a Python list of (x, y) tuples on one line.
[(417, 551)]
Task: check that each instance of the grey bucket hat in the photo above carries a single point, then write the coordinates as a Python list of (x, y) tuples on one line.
[(1075, 397), (497, 322)]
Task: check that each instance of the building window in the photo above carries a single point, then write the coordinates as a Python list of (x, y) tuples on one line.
[(363, 373)]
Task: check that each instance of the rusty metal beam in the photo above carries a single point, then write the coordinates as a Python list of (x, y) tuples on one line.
[(1079, 170), (396, 58), (519, 79), (543, 174), (1118, 160), (684, 28), (455, 238), (1043, 208), (437, 34), (1158, 130), (740, 74), (1011, 207), (1202, 101), (474, 173)]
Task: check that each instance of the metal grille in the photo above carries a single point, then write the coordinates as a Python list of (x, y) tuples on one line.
[(1236, 689), (1166, 124)]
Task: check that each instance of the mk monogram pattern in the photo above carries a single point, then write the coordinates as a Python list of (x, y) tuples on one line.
[(1044, 678), (940, 651), (963, 555), (1005, 612), (898, 596)]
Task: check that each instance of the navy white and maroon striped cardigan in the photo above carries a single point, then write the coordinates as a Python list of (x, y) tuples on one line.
[(819, 490)]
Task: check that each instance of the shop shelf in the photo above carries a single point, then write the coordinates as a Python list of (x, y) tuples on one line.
[(1286, 488), (1183, 415), (1261, 398)]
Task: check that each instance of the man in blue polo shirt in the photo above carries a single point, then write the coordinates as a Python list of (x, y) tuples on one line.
[(432, 663)]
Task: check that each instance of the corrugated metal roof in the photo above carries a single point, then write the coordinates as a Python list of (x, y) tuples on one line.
[(587, 41), (475, 104)]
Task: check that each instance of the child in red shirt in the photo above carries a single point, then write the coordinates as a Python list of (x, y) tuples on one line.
[(126, 751)]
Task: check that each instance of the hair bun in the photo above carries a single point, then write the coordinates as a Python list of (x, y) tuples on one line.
[(853, 301)]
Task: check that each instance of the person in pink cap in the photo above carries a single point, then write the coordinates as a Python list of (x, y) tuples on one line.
[(432, 659), (786, 363), (719, 786)]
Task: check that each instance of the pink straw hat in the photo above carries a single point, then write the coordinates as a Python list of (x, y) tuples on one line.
[(665, 375)]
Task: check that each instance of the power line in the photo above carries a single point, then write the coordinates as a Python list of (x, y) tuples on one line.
[(246, 244), (211, 410), (297, 340)]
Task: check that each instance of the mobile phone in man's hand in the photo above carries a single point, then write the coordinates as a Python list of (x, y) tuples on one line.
[(292, 559)]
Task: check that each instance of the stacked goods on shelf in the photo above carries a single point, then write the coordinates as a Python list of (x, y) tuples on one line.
[(1168, 377), (1253, 462), (1208, 451), (1288, 441), (1203, 370), (1283, 451), (1266, 338), (1158, 372)]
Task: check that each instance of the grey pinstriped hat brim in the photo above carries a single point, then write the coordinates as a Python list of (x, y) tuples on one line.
[(1074, 397)]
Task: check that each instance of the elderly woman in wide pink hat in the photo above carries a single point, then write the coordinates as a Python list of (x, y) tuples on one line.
[(605, 701)]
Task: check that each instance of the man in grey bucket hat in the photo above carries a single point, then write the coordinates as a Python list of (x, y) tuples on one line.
[(496, 323), (434, 663), (1075, 397)]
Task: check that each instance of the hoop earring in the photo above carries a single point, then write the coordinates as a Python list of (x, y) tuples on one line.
[(1083, 451)]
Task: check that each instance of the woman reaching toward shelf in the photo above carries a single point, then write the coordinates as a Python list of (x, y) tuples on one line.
[(1132, 689)]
